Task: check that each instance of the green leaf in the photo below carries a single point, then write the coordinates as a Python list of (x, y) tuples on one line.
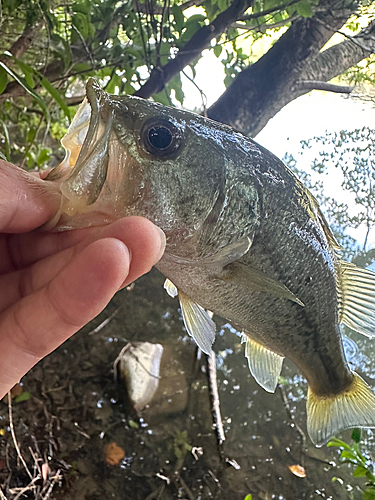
[(57, 96), (369, 494), (339, 443), (304, 9), (43, 157), (80, 21), (348, 455), (28, 72), (26, 87), (356, 435), (7, 141), (133, 424), (3, 80), (360, 471), (248, 497), (178, 17), (25, 396), (218, 50), (2, 156)]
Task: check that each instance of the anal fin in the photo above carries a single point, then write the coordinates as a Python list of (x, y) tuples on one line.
[(357, 298), (264, 365), (197, 322)]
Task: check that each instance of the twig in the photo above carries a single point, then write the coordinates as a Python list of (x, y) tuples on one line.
[(203, 95), (186, 488), (156, 494), (27, 488), (291, 416), (212, 379), (52, 485), (2, 496), (14, 435), (106, 321)]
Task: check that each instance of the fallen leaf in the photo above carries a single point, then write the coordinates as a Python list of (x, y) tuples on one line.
[(113, 454), (297, 470)]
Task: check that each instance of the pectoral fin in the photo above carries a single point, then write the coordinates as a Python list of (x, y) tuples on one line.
[(264, 365), (197, 322), (356, 293), (256, 280)]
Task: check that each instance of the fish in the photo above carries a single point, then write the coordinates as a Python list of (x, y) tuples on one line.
[(245, 239)]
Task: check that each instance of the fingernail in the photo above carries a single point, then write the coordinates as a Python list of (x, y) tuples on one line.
[(162, 242)]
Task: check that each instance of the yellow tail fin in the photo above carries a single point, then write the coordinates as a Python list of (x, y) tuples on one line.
[(328, 415)]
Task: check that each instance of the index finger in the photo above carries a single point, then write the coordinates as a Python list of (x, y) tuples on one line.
[(26, 202)]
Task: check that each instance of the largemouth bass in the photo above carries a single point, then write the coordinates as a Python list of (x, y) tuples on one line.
[(245, 240)]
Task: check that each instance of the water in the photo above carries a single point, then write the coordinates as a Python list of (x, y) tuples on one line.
[(77, 408)]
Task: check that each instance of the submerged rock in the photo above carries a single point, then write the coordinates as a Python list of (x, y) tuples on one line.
[(155, 382), (139, 368)]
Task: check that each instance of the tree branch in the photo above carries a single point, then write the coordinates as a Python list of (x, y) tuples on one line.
[(269, 84), (200, 40), (144, 8), (342, 56), (22, 44), (328, 87)]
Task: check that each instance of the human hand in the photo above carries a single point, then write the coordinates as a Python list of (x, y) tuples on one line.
[(52, 284)]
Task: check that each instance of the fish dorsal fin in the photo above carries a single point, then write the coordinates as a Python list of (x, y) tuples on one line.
[(356, 292), (264, 365), (197, 323), (170, 288), (256, 280)]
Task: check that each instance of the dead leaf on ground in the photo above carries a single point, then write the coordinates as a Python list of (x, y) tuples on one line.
[(297, 470), (113, 454)]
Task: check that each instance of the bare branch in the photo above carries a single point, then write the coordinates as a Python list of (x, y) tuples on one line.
[(200, 40), (271, 10), (22, 44), (329, 87), (144, 8), (264, 26)]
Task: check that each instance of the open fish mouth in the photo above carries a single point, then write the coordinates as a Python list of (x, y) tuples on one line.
[(92, 158)]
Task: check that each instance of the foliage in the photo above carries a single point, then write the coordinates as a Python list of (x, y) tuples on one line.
[(49, 49), (352, 155), (363, 466)]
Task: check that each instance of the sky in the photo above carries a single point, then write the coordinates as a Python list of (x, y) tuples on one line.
[(306, 117)]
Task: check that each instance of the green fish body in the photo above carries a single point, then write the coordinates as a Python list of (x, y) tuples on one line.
[(245, 240)]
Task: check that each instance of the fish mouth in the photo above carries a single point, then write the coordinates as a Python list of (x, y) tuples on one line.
[(90, 163)]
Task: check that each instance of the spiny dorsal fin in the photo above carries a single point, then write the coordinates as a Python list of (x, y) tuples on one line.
[(264, 365), (356, 293), (197, 323), (170, 288), (328, 415), (256, 280)]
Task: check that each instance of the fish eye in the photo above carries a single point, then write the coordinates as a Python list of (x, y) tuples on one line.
[(161, 137)]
